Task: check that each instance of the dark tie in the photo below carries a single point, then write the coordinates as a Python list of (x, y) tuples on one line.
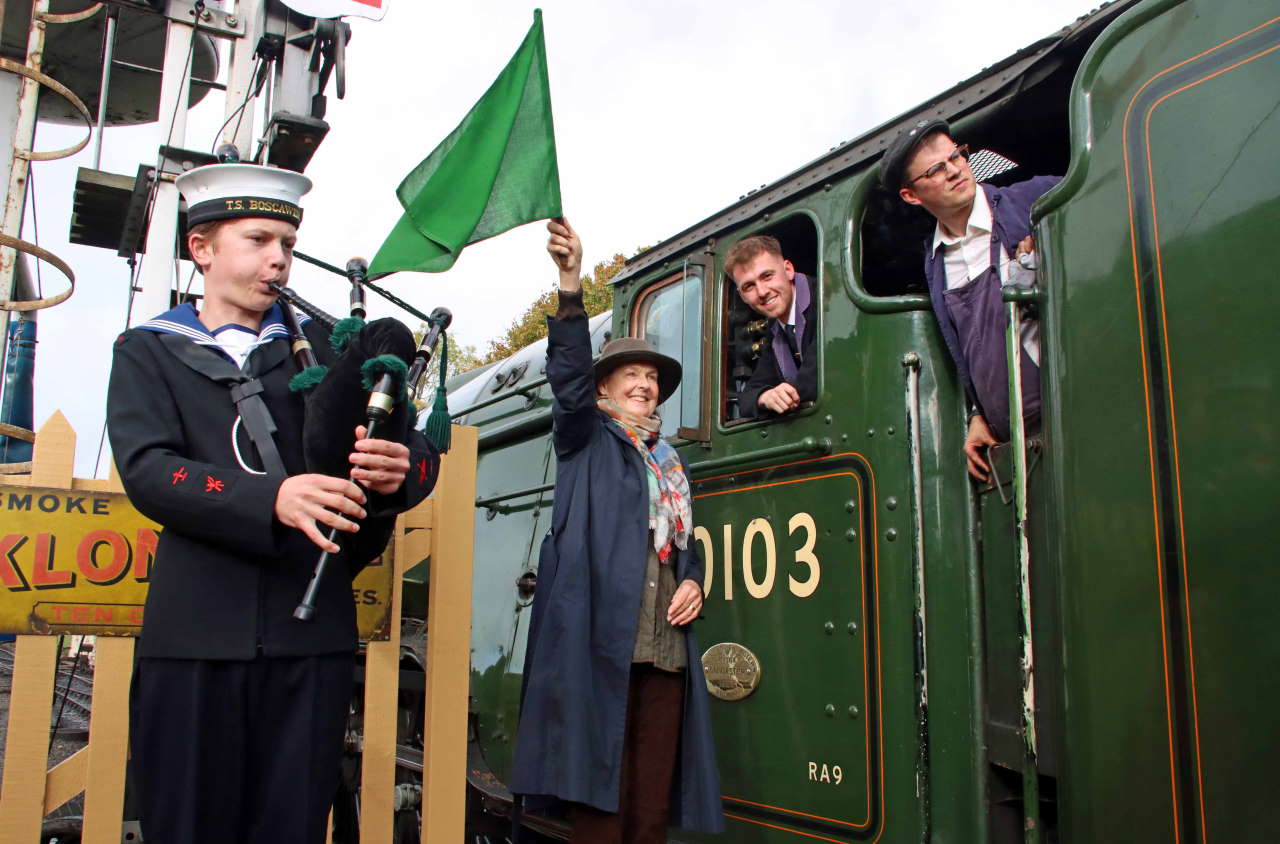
[(789, 331)]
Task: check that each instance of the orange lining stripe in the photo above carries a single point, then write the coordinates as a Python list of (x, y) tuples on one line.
[(1173, 416), (1151, 460), (1150, 444), (862, 565), (773, 483), (864, 460), (875, 551), (794, 812)]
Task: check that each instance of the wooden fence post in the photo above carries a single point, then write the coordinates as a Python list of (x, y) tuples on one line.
[(108, 741), (444, 755), (35, 660), (381, 700)]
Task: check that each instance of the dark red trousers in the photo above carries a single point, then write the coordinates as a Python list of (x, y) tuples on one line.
[(655, 710)]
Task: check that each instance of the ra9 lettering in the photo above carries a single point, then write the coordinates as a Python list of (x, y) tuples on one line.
[(759, 554), (824, 773)]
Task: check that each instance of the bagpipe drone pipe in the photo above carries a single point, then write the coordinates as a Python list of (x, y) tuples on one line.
[(378, 368)]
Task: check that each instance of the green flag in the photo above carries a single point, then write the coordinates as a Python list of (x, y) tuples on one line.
[(494, 172)]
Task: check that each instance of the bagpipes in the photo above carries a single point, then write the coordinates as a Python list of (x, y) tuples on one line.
[(377, 370)]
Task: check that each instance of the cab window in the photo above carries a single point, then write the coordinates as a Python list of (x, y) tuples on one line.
[(670, 317), (746, 334)]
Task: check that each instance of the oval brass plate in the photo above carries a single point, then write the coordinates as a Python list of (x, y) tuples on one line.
[(732, 670)]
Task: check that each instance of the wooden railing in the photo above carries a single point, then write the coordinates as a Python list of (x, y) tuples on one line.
[(30, 790)]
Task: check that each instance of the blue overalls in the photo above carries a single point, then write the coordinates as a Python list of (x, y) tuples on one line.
[(980, 320)]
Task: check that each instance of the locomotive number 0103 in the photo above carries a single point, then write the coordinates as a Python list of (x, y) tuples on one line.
[(758, 552)]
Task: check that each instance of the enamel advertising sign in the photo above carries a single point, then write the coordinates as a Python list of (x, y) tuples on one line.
[(78, 561)]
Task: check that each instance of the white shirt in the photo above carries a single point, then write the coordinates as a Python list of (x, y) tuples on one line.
[(969, 255), (237, 341)]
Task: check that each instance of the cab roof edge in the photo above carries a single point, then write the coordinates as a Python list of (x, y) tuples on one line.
[(864, 147)]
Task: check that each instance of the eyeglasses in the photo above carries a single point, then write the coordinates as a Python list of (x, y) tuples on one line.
[(961, 153)]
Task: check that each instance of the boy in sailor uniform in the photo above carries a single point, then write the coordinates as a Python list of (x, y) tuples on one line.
[(238, 710)]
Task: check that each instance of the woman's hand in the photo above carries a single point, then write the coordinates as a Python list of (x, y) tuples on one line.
[(686, 604), (379, 464), (566, 251)]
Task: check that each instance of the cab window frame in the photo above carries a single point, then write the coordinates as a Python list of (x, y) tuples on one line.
[(866, 185), (726, 294), (639, 311)]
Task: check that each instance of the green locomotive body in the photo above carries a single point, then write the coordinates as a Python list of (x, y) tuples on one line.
[(861, 592)]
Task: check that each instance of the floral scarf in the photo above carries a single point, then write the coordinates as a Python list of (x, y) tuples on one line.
[(670, 514)]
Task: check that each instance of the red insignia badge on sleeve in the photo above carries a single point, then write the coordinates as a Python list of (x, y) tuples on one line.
[(212, 484), (179, 476), (422, 471)]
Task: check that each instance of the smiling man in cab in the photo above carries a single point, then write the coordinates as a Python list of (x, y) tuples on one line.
[(787, 372)]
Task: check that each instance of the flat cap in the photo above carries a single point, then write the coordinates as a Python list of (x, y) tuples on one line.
[(896, 156)]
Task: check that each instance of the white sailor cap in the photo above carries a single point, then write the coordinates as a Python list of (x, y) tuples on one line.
[(227, 191)]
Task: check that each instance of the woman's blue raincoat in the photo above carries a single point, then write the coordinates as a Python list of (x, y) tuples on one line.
[(586, 609)]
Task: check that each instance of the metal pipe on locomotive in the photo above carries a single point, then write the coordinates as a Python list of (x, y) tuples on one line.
[(381, 398)]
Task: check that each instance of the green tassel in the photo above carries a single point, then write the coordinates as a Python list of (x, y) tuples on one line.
[(438, 427), (307, 379), (342, 333), (374, 367)]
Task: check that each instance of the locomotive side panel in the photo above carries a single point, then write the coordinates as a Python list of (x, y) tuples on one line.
[(1162, 449), (1224, 400)]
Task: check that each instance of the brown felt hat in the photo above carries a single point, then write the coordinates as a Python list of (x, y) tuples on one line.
[(632, 350)]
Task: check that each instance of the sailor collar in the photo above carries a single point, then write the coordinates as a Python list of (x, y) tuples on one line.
[(185, 322), (186, 338)]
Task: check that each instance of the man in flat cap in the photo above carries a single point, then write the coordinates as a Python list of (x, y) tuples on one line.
[(238, 711), (982, 241), (787, 372)]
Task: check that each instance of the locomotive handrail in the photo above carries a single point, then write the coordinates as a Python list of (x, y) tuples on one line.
[(492, 400), (1030, 295), (514, 430), (522, 390), (506, 496), (911, 365), (1018, 438), (807, 445)]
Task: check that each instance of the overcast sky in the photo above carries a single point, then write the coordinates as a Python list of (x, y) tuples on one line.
[(665, 112)]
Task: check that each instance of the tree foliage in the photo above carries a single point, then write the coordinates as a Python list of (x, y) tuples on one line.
[(531, 326), (461, 359)]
